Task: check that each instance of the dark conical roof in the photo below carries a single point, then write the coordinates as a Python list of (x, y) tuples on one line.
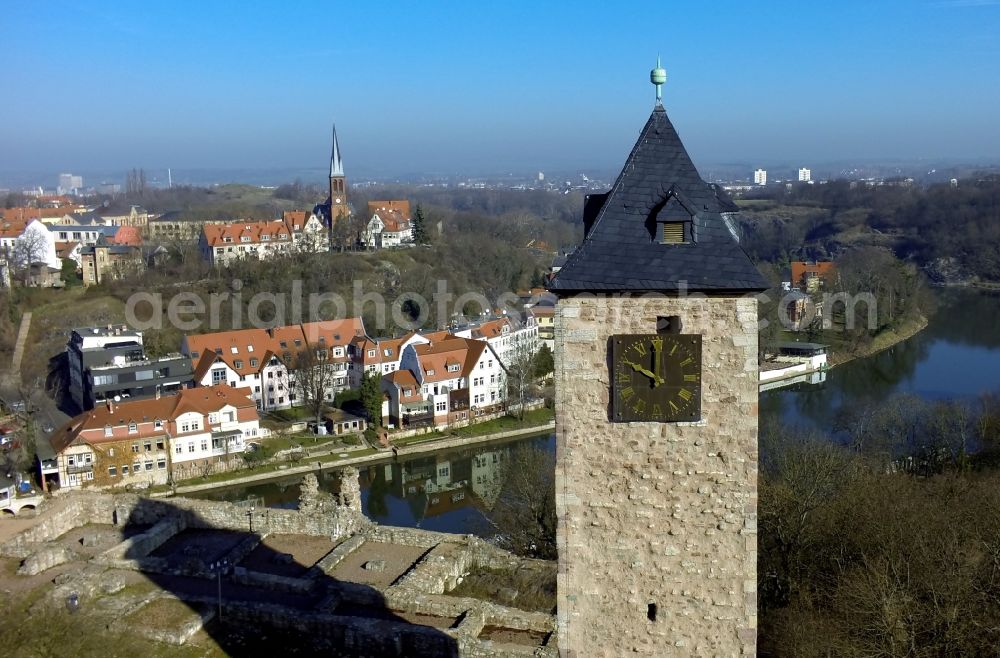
[(622, 250)]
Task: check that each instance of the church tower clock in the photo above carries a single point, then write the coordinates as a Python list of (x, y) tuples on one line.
[(656, 415), (338, 184)]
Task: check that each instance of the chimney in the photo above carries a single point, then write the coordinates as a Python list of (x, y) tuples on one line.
[(157, 392), (111, 405)]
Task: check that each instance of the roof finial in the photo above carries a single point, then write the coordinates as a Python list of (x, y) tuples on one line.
[(658, 77)]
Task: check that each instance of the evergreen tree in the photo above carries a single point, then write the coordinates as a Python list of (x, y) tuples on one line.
[(371, 398), (544, 362), (420, 227)]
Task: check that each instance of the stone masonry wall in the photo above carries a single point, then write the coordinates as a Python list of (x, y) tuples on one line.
[(656, 514)]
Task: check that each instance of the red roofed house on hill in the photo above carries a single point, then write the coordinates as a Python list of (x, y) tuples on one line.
[(810, 277), (143, 442), (296, 232), (391, 224)]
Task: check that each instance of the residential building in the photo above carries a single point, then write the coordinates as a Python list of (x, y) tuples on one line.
[(265, 359), (544, 313), (176, 226), (104, 261), (130, 216), (85, 234), (391, 224), (760, 177), (110, 362), (810, 277), (805, 175), (378, 355), (30, 252), (147, 442), (443, 382), (510, 337), (221, 244)]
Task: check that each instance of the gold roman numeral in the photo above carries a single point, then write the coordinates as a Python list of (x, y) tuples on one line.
[(640, 405), (640, 348), (685, 394), (627, 392), (690, 378), (657, 411), (687, 361), (673, 406)]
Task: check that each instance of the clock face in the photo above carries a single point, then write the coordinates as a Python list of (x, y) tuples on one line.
[(656, 377), (337, 200)]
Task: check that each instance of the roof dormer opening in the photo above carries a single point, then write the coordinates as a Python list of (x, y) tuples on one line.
[(674, 233)]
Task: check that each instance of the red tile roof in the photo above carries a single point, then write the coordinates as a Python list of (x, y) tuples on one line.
[(91, 425)]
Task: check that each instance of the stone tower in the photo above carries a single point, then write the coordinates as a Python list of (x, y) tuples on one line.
[(338, 183), (657, 501)]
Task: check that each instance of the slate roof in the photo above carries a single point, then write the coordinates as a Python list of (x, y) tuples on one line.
[(659, 182)]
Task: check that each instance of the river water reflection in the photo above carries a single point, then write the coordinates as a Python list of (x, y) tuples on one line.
[(449, 491)]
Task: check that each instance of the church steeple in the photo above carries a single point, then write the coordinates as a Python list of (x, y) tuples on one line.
[(338, 183), (336, 163)]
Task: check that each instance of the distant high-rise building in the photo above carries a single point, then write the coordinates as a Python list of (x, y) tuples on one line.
[(69, 183), (760, 177), (805, 175)]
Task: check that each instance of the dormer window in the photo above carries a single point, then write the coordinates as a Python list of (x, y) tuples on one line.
[(453, 367), (673, 233), (672, 220), (430, 373), (132, 428)]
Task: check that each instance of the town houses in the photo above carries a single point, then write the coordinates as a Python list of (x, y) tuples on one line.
[(143, 425), (147, 442), (266, 360), (295, 232)]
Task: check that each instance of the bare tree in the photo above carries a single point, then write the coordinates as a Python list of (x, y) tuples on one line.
[(519, 375), (524, 515), (29, 248), (314, 373)]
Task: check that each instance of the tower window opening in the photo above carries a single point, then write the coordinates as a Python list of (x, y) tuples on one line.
[(651, 612)]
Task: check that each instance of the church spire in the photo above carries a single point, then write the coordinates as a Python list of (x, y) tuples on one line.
[(336, 164)]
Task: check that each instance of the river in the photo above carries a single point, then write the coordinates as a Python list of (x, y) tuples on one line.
[(957, 355)]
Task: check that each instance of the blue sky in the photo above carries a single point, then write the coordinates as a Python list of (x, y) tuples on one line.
[(469, 86)]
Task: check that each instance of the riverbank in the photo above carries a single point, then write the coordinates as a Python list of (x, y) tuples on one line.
[(358, 458), (881, 342)]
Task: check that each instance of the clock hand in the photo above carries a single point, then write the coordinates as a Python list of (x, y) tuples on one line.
[(640, 369), (657, 356)]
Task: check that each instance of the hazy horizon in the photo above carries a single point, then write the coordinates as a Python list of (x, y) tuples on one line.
[(427, 89)]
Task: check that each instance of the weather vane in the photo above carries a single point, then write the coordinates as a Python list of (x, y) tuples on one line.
[(658, 77)]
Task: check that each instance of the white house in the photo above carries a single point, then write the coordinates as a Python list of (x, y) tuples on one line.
[(143, 442), (445, 381)]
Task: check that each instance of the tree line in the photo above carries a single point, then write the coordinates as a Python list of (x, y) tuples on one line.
[(952, 232), (887, 544)]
